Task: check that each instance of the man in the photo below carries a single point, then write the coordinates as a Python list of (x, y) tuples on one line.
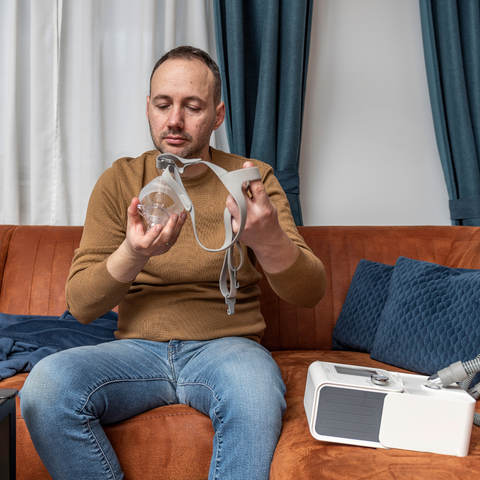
[(176, 343)]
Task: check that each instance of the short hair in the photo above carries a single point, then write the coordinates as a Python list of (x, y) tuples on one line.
[(187, 52)]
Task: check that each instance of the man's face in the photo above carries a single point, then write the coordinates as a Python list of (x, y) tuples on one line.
[(180, 109)]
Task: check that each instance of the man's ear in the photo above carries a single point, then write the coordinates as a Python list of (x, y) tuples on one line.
[(148, 104), (219, 115)]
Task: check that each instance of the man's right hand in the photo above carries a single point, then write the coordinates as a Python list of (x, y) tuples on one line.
[(140, 244)]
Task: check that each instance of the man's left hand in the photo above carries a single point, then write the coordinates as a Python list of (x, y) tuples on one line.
[(263, 232)]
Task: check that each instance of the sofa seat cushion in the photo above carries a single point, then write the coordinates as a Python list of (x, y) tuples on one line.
[(161, 437), (168, 433), (299, 455)]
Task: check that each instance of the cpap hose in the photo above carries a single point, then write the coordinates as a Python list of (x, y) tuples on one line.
[(472, 367), (461, 373), (456, 373)]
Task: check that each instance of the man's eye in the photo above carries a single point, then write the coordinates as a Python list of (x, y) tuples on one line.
[(162, 107), (193, 108)]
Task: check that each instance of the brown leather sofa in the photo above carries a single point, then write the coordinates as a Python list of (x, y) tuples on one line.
[(174, 442)]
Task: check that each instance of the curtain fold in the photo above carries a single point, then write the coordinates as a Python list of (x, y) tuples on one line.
[(74, 77), (451, 40), (263, 52)]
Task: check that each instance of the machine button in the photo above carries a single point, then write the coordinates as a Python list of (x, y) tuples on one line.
[(378, 379)]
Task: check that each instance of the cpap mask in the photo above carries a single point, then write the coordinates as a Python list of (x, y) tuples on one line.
[(166, 195), (158, 202)]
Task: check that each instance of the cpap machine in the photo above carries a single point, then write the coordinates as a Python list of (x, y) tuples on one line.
[(372, 407)]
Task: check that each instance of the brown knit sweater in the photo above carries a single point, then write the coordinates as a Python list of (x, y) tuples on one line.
[(177, 296)]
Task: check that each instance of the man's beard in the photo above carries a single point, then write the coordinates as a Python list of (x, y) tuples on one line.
[(192, 150)]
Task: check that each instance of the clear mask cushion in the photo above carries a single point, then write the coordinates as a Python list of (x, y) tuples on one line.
[(158, 202)]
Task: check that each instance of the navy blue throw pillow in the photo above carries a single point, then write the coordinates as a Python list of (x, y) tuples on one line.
[(431, 318), (357, 323)]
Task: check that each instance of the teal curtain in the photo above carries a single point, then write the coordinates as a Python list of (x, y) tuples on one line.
[(451, 40), (263, 48)]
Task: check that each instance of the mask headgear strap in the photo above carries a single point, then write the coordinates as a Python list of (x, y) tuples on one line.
[(233, 182)]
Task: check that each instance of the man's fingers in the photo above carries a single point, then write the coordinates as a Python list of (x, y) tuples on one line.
[(133, 218), (169, 233), (163, 234), (255, 189)]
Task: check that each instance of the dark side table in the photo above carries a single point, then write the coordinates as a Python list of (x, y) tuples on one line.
[(7, 434)]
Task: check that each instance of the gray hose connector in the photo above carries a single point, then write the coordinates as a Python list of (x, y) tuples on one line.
[(456, 372), (472, 367), (461, 373)]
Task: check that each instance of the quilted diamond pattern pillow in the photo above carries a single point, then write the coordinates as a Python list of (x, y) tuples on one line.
[(431, 317), (357, 323)]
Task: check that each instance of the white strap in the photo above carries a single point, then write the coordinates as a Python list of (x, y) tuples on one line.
[(233, 182)]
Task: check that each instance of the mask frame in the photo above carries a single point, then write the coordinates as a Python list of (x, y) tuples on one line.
[(233, 182)]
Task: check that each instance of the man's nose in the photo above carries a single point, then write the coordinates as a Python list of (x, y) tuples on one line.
[(175, 118)]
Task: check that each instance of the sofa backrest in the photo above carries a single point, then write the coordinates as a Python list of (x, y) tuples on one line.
[(34, 264), (35, 268), (341, 248)]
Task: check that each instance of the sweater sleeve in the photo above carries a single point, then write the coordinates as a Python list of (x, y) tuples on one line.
[(303, 283), (90, 289)]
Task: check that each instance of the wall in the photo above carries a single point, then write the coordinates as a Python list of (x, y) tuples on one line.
[(369, 155)]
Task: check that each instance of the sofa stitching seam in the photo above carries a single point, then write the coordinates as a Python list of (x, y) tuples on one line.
[(6, 260), (51, 278), (33, 272), (348, 261), (418, 251)]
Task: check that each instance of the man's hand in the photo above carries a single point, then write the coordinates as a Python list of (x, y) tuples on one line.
[(139, 244), (263, 233)]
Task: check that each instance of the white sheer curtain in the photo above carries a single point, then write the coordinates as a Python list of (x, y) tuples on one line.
[(74, 76)]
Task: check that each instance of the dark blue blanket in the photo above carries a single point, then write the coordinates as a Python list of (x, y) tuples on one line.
[(26, 339)]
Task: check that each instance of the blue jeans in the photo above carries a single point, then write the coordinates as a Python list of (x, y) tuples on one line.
[(69, 395)]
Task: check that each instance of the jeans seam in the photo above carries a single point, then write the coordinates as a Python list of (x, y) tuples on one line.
[(172, 367), (171, 354), (219, 444), (179, 348), (112, 473), (119, 381), (101, 450), (219, 437)]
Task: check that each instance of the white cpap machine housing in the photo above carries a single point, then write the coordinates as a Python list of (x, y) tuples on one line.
[(375, 408)]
